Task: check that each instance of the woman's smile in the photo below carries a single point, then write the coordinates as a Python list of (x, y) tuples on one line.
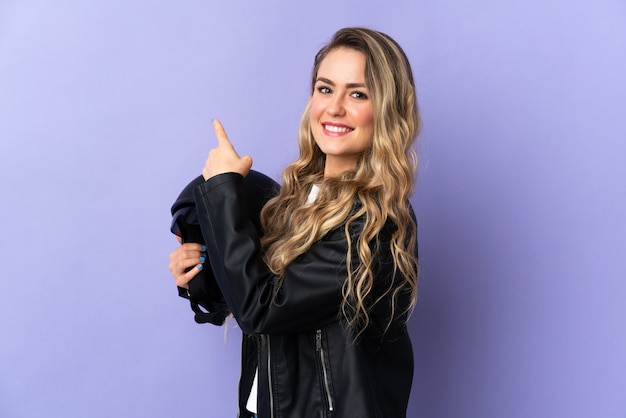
[(336, 129)]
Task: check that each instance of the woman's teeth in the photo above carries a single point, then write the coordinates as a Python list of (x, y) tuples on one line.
[(337, 129)]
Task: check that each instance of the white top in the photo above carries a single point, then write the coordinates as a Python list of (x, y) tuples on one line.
[(251, 405), (315, 189)]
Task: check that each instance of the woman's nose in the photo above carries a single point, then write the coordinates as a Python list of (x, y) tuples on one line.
[(336, 106)]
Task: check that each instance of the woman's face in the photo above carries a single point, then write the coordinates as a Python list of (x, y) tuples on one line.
[(342, 116)]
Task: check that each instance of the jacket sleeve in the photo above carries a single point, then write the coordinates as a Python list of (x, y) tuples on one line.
[(310, 294)]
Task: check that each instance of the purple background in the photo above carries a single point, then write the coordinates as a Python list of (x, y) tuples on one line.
[(104, 117)]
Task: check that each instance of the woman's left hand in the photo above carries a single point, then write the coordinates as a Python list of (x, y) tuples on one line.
[(224, 158)]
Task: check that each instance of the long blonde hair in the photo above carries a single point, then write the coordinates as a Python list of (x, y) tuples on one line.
[(382, 182)]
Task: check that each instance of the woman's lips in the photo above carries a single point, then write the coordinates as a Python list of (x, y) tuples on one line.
[(336, 129)]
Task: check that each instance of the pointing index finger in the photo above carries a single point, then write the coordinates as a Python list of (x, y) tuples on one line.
[(220, 133)]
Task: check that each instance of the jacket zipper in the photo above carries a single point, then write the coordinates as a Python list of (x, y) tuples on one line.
[(320, 350), (269, 376)]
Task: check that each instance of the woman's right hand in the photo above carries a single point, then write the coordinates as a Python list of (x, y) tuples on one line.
[(188, 256), (224, 158)]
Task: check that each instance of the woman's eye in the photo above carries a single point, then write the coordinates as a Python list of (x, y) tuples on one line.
[(323, 89), (359, 95)]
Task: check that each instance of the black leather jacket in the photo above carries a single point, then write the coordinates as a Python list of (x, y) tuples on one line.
[(307, 365)]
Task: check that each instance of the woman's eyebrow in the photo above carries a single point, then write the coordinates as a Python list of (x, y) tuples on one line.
[(349, 85)]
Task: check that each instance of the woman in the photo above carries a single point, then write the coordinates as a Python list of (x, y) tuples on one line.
[(326, 291)]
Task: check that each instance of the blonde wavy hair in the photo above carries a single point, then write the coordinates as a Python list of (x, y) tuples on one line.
[(382, 182)]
